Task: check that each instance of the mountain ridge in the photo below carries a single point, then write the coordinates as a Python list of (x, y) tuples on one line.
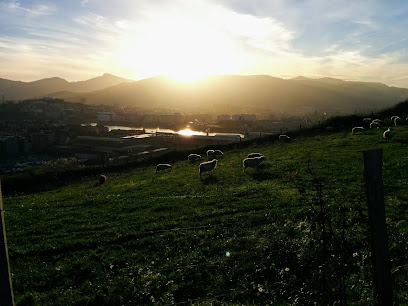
[(19, 90), (239, 93)]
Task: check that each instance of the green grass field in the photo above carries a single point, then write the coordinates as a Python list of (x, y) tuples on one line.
[(292, 232)]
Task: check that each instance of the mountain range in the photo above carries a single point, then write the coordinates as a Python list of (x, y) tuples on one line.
[(17, 90), (223, 93)]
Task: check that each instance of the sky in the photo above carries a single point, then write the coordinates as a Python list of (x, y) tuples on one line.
[(190, 39)]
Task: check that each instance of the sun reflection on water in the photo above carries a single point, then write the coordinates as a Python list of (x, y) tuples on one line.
[(188, 132)]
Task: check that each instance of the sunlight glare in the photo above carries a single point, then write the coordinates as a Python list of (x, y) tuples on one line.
[(188, 132), (182, 49)]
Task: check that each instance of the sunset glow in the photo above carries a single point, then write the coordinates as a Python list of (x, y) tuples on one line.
[(181, 48), (191, 39)]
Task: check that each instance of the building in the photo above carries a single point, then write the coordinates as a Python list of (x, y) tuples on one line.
[(12, 145), (246, 117), (105, 116)]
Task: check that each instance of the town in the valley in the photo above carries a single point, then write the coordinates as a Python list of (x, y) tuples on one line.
[(38, 132)]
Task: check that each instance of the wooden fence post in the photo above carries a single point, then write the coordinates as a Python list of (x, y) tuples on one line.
[(378, 227), (6, 290)]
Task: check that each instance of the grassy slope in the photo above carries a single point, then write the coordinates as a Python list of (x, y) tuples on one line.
[(143, 237)]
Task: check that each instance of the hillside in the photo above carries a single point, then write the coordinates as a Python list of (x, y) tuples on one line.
[(17, 90), (292, 232), (249, 94)]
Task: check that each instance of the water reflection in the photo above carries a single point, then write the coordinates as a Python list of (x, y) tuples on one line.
[(189, 132)]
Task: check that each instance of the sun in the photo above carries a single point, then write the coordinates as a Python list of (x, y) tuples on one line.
[(184, 50)]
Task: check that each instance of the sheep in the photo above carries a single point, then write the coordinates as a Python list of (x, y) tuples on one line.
[(387, 134), (377, 120), (252, 162), (374, 124), (252, 155), (393, 117), (207, 166), (329, 129), (102, 179), (367, 120), (218, 153), (193, 157), (284, 137), (357, 129), (162, 167), (210, 154), (396, 119)]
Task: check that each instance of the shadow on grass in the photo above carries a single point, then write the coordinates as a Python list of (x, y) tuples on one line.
[(262, 176), (209, 180), (263, 173)]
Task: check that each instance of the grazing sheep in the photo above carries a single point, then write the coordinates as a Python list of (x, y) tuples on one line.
[(162, 167), (284, 137), (210, 154), (357, 129), (253, 162), (102, 179), (396, 119), (252, 155), (329, 129), (374, 124), (218, 153), (193, 157), (367, 120), (207, 166), (387, 134), (393, 117), (377, 120)]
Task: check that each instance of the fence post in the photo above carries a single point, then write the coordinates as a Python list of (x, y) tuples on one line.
[(6, 290), (378, 227)]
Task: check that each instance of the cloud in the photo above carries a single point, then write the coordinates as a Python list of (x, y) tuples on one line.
[(15, 7)]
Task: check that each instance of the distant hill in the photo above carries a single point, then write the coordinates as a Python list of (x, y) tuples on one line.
[(223, 93), (248, 94), (17, 90)]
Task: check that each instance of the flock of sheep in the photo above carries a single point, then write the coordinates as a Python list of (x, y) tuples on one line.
[(253, 160), (376, 123)]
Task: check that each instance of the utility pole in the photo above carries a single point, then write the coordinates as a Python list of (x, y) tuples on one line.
[(6, 290)]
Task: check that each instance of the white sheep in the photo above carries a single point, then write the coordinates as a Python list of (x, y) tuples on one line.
[(374, 124), (393, 117), (253, 162), (377, 120), (284, 137), (214, 153), (210, 154), (207, 166), (357, 129), (162, 167), (396, 119), (218, 153), (387, 134), (252, 155), (193, 157), (367, 120)]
